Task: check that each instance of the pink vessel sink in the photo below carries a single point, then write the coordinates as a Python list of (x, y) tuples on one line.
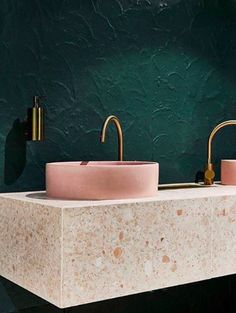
[(228, 172), (101, 180)]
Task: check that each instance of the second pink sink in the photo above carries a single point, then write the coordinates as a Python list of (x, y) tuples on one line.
[(228, 172), (101, 180)]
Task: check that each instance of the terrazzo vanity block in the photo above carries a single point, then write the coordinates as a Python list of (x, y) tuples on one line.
[(77, 252)]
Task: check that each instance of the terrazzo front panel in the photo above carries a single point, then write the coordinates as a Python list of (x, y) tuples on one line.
[(77, 252), (119, 250)]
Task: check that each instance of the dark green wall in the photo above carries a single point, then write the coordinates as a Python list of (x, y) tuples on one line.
[(166, 68)]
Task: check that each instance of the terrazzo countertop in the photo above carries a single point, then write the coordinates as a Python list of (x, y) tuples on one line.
[(76, 252)]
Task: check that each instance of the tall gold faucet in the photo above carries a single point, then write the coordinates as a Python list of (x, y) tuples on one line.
[(209, 173), (113, 118)]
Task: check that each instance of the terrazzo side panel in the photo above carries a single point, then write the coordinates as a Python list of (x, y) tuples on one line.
[(30, 247), (224, 238)]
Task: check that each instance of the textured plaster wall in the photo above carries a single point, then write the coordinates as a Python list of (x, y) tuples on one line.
[(166, 68)]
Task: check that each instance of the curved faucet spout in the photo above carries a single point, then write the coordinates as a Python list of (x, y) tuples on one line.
[(209, 173), (113, 118)]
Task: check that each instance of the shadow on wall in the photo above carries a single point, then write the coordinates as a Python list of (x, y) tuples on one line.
[(15, 152)]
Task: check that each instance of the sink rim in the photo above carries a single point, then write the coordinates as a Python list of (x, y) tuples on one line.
[(102, 164)]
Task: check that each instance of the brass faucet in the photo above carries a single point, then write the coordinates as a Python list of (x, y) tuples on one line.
[(113, 118), (209, 173)]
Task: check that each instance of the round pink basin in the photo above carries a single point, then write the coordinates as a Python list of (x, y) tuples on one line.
[(228, 172), (101, 180)]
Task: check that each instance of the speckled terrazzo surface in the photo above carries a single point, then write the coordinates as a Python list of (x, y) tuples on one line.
[(75, 252)]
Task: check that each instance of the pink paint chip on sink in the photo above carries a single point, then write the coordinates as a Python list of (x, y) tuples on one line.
[(101, 180)]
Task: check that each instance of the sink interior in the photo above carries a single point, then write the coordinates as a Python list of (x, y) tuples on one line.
[(101, 163)]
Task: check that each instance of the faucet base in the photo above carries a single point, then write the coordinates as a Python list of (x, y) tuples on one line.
[(209, 174)]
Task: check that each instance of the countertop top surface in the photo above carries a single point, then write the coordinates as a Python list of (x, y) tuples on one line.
[(40, 197)]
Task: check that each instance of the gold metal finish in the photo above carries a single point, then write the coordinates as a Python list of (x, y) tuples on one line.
[(209, 173), (36, 120), (113, 118), (37, 124)]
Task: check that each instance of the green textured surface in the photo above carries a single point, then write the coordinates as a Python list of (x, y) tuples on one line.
[(166, 68)]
